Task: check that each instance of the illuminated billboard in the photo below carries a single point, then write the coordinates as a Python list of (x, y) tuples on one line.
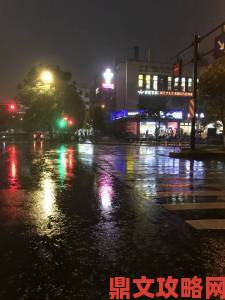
[(164, 93), (108, 79)]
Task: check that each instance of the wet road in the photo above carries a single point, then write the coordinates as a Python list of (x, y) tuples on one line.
[(71, 216)]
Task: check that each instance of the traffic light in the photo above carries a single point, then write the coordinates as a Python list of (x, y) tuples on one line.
[(62, 123), (12, 107), (71, 122)]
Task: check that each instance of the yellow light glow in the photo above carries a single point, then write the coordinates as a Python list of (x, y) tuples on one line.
[(47, 77), (48, 196)]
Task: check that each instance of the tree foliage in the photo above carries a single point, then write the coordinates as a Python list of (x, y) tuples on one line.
[(99, 118), (46, 102), (212, 91)]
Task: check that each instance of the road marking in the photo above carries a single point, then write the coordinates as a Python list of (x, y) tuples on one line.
[(211, 224), (215, 186), (189, 194), (195, 206)]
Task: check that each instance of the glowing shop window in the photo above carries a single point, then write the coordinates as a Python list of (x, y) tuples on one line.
[(155, 83), (148, 82)]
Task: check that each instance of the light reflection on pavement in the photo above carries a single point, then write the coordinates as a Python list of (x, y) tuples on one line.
[(73, 215)]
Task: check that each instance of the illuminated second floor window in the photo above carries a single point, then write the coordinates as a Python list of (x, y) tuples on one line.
[(183, 84), (190, 85), (140, 81), (169, 84), (176, 83), (155, 83), (148, 82)]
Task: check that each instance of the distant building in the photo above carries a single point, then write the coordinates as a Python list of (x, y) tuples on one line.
[(84, 93), (103, 91), (136, 88), (143, 83), (142, 86)]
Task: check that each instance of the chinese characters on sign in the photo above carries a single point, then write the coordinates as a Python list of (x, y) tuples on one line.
[(164, 288)]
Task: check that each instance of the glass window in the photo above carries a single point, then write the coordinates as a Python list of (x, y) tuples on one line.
[(161, 83), (189, 84), (148, 82), (155, 83), (183, 84), (140, 81), (169, 83), (176, 82)]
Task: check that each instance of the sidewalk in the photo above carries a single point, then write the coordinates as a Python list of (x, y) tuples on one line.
[(202, 152)]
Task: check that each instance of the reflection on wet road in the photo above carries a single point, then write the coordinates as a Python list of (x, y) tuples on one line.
[(71, 216)]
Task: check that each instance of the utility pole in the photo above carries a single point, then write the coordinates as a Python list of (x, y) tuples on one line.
[(195, 88), (126, 75), (218, 51)]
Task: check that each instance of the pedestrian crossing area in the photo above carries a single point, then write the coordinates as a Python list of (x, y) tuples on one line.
[(203, 223), (191, 190), (199, 200), (195, 206), (207, 224)]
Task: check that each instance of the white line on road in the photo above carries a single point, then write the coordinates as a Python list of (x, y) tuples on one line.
[(190, 194), (211, 224), (195, 206)]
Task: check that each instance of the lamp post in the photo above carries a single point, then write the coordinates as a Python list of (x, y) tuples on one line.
[(47, 77), (195, 89)]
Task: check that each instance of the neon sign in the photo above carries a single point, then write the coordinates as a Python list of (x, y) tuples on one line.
[(125, 113), (108, 77), (164, 93)]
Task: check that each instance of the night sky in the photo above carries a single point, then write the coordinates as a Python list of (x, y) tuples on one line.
[(84, 36)]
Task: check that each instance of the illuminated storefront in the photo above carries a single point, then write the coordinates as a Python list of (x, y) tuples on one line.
[(148, 128), (173, 126), (140, 123), (185, 128)]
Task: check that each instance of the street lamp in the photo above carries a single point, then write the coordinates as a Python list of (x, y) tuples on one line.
[(47, 77)]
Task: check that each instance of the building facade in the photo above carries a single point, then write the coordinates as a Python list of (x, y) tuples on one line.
[(142, 97), (147, 93)]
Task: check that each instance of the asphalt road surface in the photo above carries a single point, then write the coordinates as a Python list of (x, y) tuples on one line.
[(72, 216)]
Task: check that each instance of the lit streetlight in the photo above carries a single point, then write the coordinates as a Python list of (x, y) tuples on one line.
[(47, 77)]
